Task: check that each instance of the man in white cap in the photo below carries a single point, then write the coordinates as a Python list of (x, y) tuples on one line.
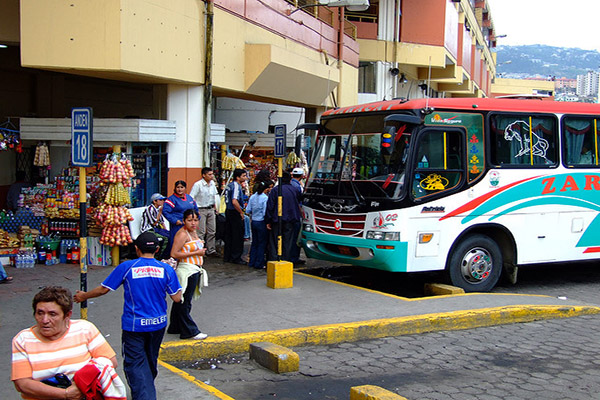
[(154, 221), (297, 175)]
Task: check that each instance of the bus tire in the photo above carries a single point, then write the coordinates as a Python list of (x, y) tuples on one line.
[(475, 264)]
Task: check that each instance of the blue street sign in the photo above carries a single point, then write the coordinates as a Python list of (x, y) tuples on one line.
[(81, 136), (280, 131)]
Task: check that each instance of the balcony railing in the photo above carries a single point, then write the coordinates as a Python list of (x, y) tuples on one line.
[(326, 15)]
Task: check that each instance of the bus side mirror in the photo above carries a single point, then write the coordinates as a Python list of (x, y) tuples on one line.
[(388, 140), (298, 144)]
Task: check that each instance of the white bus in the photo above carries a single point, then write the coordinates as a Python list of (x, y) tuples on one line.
[(471, 186)]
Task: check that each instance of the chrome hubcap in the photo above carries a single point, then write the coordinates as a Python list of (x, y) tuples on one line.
[(476, 265)]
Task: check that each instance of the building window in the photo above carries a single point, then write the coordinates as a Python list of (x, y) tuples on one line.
[(366, 77)]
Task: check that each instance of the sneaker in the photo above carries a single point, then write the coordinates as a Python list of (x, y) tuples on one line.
[(200, 336)]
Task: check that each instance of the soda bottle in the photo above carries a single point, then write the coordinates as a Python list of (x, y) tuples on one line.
[(75, 254), (63, 251), (69, 250)]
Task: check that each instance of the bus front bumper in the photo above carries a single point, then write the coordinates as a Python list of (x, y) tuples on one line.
[(385, 255)]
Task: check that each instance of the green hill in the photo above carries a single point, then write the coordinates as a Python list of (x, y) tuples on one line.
[(544, 61)]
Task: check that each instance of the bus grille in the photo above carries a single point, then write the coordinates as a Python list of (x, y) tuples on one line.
[(340, 224)]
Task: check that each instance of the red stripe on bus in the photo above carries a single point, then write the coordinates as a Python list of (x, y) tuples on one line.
[(482, 199), (592, 250)]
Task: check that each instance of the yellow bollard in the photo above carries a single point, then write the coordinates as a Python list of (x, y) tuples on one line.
[(280, 274)]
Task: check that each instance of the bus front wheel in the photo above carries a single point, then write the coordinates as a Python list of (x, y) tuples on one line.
[(475, 264)]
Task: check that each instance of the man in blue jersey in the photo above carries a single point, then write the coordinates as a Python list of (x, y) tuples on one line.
[(146, 282)]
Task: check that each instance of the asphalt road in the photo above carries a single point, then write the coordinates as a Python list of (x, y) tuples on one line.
[(555, 359)]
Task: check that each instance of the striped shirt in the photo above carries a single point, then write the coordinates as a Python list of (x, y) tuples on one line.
[(36, 357), (149, 218), (190, 246)]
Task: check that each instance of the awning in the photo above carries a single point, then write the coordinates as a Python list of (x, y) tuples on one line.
[(104, 129)]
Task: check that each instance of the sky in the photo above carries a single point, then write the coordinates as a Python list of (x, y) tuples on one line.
[(570, 23)]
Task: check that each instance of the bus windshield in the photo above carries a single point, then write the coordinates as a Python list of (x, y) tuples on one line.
[(349, 152)]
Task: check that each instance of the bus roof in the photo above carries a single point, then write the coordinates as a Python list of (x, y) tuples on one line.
[(472, 103)]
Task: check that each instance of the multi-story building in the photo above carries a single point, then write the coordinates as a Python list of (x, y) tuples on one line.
[(565, 84), (167, 78), (436, 48), (587, 84), (540, 88)]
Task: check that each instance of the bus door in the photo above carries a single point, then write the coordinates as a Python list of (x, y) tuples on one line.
[(439, 163)]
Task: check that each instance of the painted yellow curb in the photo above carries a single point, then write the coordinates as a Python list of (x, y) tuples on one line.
[(371, 392), (349, 332), (215, 392)]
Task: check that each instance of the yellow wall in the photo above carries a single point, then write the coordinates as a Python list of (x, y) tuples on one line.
[(249, 58), (348, 94), (138, 40), (504, 86), (162, 41)]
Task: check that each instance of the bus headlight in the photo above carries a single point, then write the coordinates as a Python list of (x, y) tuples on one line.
[(378, 235), (308, 228)]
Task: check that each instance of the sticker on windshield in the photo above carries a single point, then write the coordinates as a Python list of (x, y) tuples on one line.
[(434, 182)]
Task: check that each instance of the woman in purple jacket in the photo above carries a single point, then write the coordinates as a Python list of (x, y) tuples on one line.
[(175, 206)]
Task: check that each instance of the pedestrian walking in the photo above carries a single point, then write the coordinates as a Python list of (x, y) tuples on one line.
[(174, 207), (54, 352), (257, 206), (146, 282), (234, 219), (204, 192), (188, 249), (290, 220)]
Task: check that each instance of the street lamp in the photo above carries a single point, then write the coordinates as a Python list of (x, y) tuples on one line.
[(351, 5)]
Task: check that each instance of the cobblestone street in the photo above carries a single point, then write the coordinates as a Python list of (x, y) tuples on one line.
[(555, 359)]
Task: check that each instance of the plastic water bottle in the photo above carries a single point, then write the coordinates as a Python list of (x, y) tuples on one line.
[(19, 261), (31, 260)]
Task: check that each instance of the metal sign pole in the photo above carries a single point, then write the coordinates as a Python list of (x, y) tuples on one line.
[(82, 122), (280, 273), (83, 238)]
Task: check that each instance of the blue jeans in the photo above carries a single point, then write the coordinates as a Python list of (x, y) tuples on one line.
[(140, 355), (3, 274), (260, 238), (246, 227)]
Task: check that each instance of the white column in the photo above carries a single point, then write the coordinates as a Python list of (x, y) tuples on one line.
[(185, 106)]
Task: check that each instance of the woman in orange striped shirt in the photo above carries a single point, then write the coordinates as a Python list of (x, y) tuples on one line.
[(188, 249), (57, 345)]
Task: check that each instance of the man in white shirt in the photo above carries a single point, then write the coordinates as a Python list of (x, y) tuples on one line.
[(205, 194)]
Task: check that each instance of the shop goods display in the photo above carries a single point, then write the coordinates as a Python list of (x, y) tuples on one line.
[(11, 222), (42, 155), (116, 173), (9, 137), (27, 236), (292, 159), (8, 241), (97, 254), (69, 251), (231, 162), (48, 249), (25, 259)]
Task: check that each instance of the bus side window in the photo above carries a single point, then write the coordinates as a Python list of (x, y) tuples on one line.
[(580, 141), (523, 140), (439, 163)]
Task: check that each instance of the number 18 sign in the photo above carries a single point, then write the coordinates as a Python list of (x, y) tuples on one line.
[(81, 136)]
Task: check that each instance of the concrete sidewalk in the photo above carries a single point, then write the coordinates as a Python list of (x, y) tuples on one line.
[(237, 308)]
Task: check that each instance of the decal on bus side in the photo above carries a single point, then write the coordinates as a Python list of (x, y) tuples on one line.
[(571, 189), (382, 221)]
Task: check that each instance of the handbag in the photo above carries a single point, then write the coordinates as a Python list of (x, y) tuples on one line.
[(222, 205)]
